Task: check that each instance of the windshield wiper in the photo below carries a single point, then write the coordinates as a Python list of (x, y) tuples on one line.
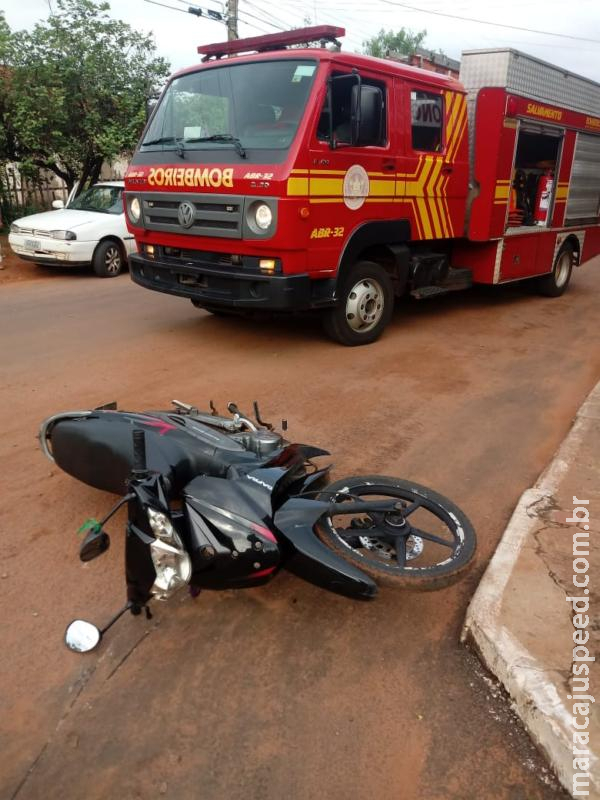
[(168, 140), (222, 137), (162, 140)]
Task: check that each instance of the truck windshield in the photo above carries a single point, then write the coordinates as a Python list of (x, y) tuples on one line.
[(258, 105)]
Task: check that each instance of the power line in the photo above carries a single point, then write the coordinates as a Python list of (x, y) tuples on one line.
[(485, 22), (260, 10), (263, 21), (195, 10)]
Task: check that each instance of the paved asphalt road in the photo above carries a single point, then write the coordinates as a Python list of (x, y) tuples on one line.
[(283, 691)]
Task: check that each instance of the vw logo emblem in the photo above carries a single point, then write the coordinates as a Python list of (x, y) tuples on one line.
[(185, 214)]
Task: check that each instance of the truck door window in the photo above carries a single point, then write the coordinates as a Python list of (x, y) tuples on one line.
[(341, 106), (427, 120)]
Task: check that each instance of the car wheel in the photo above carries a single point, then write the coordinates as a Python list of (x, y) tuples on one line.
[(108, 261)]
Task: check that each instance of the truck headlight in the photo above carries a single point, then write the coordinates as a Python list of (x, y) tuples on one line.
[(68, 236), (135, 209), (15, 228), (172, 563), (263, 216)]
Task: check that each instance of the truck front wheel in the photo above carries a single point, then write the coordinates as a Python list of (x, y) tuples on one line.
[(365, 302)]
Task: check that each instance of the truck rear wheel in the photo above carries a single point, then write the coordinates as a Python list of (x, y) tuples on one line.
[(364, 306), (554, 284)]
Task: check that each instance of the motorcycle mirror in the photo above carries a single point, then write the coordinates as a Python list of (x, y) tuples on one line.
[(95, 543), (82, 636)]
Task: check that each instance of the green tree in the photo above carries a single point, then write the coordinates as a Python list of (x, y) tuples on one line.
[(76, 91), (402, 41)]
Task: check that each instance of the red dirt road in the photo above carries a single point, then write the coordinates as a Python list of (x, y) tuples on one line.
[(285, 690)]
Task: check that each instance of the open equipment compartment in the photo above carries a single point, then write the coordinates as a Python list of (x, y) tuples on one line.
[(536, 164)]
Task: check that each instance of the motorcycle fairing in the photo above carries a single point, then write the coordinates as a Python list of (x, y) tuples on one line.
[(295, 520), (230, 548)]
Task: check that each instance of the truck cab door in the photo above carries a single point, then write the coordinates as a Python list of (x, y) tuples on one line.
[(351, 175)]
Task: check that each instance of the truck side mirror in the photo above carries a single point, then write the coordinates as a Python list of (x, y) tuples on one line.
[(367, 115)]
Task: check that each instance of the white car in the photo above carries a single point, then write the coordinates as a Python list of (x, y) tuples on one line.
[(90, 230)]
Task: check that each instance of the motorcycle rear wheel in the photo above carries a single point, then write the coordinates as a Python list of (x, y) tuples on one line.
[(419, 557)]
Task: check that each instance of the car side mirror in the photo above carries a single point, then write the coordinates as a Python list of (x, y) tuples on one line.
[(58, 204), (367, 115)]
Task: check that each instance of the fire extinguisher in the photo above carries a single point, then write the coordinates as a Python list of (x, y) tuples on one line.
[(542, 198)]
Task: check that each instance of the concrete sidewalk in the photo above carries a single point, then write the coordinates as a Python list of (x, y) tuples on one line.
[(520, 621)]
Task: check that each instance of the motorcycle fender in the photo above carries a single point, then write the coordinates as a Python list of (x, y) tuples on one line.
[(295, 520)]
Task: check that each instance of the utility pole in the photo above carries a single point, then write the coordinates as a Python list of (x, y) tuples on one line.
[(232, 20)]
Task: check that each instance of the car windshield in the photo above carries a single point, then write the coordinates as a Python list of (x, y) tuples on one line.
[(105, 199), (255, 105)]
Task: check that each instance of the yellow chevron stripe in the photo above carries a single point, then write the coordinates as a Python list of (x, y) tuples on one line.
[(447, 222), (460, 126), (422, 206), (443, 208), (416, 186), (451, 128), (448, 217), (417, 218), (430, 191)]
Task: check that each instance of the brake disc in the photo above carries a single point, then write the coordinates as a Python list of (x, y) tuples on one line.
[(414, 547)]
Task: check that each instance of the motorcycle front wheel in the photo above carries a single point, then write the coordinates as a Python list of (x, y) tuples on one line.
[(426, 543)]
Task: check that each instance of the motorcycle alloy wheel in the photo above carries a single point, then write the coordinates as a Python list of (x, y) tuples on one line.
[(426, 544)]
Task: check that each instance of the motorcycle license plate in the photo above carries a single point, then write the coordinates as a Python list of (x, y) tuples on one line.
[(33, 244)]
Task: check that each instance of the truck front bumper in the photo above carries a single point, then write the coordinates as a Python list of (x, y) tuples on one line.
[(214, 287)]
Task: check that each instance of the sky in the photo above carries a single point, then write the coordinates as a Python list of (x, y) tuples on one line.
[(177, 33)]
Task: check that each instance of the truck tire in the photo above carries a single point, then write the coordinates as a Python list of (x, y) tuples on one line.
[(365, 303), (555, 284), (108, 261)]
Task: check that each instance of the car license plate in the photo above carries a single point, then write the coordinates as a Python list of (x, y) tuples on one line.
[(33, 244)]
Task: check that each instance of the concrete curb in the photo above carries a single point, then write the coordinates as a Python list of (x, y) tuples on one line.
[(531, 684)]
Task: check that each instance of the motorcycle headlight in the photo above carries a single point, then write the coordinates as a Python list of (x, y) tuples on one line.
[(172, 563), (263, 216), (161, 525), (69, 236)]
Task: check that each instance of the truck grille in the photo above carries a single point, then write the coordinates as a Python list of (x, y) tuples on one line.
[(220, 215)]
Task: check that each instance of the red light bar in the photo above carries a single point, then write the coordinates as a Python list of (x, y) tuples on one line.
[(272, 41)]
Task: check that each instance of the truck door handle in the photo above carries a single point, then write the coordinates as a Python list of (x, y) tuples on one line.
[(447, 169), (389, 166)]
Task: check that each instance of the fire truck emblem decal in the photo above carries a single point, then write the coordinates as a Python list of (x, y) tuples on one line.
[(356, 187), (186, 214)]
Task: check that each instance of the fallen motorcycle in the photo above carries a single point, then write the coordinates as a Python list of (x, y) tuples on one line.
[(221, 502)]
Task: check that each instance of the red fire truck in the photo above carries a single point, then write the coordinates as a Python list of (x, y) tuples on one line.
[(279, 177)]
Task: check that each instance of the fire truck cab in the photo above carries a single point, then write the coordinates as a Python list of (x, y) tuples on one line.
[(273, 177)]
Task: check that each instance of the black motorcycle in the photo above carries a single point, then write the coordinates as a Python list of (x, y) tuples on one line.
[(221, 502)]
